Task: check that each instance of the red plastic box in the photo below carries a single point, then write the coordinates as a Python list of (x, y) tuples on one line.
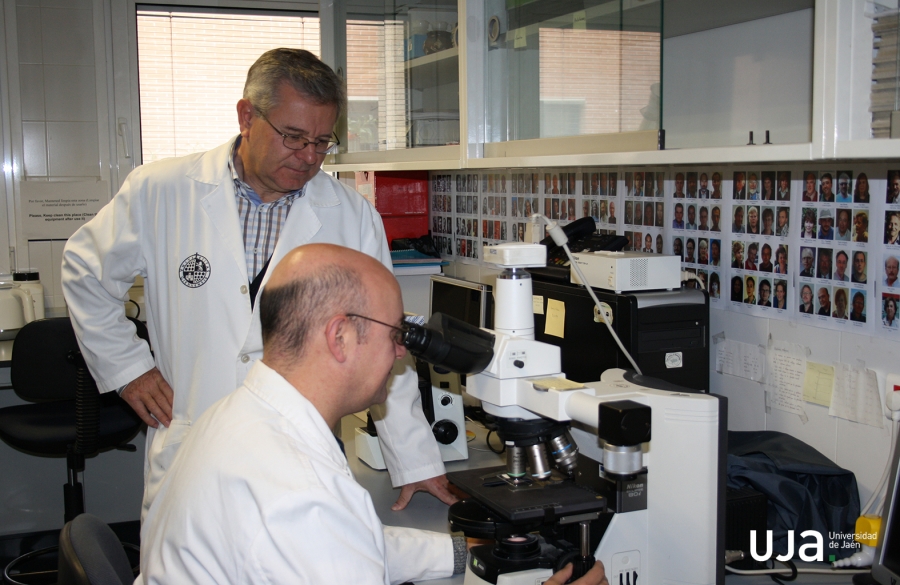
[(401, 197)]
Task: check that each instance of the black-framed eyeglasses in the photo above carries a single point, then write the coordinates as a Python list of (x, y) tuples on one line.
[(296, 142), (397, 336)]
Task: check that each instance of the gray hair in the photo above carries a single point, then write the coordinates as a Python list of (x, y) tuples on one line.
[(305, 72), (290, 312)]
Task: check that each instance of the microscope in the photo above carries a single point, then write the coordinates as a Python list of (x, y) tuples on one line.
[(628, 469)]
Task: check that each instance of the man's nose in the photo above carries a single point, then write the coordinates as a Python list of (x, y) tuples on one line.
[(308, 154)]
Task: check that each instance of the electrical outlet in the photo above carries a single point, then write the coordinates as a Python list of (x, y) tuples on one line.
[(607, 314)]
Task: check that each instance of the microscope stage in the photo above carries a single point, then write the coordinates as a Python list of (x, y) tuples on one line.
[(541, 501)]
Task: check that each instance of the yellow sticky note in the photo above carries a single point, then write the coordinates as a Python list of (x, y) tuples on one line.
[(817, 383), (537, 304), (520, 40), (556, 318)]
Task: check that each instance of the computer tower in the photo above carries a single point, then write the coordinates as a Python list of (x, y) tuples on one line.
[(666, 332)]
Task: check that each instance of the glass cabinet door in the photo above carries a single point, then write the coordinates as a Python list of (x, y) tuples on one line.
[(403, 77), (566, 68)]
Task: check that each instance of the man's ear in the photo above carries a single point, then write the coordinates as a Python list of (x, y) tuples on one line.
[(338, 334), (245, 116)]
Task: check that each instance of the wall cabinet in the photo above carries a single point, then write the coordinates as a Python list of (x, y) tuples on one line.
[(589, 83)]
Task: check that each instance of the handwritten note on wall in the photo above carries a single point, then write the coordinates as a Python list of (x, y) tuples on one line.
[(855, 396), (784, 387), (744, 360)]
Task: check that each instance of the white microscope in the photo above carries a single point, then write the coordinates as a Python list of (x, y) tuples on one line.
[(651, 508)]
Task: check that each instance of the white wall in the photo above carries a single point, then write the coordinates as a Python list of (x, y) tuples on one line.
[(712, 81)]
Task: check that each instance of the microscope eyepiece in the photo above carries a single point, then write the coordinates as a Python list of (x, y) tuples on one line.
[(451, 344)]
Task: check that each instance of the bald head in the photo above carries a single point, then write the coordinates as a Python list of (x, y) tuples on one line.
[(312, 284)]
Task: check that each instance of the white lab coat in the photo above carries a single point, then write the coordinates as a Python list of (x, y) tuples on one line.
[(260, 492), (204, 335)]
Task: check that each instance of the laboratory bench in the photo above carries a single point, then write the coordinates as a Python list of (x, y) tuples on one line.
[(428, 513)]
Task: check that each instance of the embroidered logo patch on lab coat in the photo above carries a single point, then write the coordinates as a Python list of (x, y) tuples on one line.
[(194, 271)]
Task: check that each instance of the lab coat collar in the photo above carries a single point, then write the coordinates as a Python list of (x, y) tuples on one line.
[(270, 387), (212, 168)]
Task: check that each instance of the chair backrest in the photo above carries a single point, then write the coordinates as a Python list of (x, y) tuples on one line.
[(41, 369), (90, 554)]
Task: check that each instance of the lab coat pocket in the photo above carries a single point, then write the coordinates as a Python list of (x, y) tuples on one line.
[(174, 435)]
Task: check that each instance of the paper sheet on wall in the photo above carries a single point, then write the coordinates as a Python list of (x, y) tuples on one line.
[(855, 396), (54, 210), (744, 360), (787, 369), (818, 383)]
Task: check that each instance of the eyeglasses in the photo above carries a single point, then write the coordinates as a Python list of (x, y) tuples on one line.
[(397, 336), (295, 142)]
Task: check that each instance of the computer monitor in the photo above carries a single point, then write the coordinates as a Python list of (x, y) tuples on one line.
[(472, 302), (468, 301), (886, 566)]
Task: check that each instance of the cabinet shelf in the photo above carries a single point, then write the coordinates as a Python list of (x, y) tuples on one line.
[(419, 62), (434, 70)]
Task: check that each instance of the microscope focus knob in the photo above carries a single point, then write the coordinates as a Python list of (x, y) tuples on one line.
[(445, 431)]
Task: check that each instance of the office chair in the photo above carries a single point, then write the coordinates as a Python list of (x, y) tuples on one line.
[(66, 416), (90, 554)]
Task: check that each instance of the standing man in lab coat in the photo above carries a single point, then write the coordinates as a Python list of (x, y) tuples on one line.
[(202, 230), (261, 492)]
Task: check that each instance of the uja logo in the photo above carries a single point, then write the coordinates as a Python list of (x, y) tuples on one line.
[(811, 551)]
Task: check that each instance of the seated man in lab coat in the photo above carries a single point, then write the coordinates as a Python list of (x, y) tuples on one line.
[(261, 492), (203, 231)]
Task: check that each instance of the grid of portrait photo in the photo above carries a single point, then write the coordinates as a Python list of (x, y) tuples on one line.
[(802, 242), (834, 248), (441, 196), (759, 250), (525, 201), (888, 286), (696, 224), (599, 188)]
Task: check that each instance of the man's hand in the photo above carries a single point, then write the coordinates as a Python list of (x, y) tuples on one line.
[(596, 576), (151, 398), (437, 486)]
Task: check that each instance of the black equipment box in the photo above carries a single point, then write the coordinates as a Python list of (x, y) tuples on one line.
[(666, 332)]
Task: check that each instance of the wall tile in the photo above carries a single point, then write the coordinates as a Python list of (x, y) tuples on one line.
[(68, 36), (71, 93), (73, 149), (738, 327), (35, 141), (31, 85), (746, 401), (28, 31)]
